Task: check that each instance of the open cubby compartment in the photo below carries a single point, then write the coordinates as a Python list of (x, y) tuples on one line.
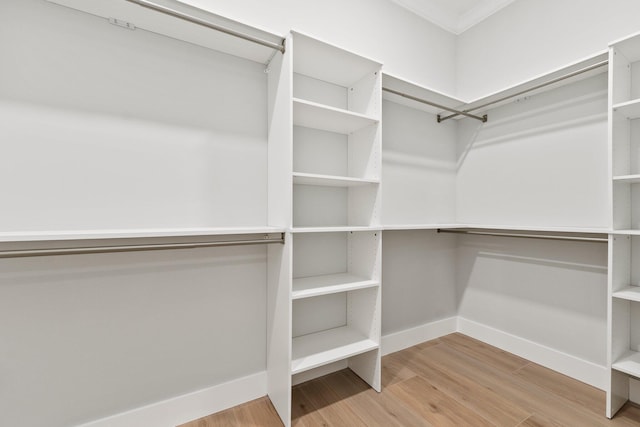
[(328, 263), (625, 69), (331, 76), (331, 154), (354, 205), (626, 204), (335, 328)]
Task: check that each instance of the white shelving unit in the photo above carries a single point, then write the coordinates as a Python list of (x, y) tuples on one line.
[(624, 243), (324, 162)]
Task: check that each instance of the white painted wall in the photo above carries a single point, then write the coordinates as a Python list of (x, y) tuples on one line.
[(111, 128), (540, 161), (418, 279), (532, 37), (88, 336), (409, 46), (418, 167), (548, 292), (106, 127)]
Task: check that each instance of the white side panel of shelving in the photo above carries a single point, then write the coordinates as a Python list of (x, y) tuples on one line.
[(634, 146), (364, 152), (363, 205), (635, 79), (621, 144), (280, 157), (279, 328), (365, 254), (364, 316), (279, 267), (634, 202), (619, 315), (620, 73), (365, 95), (621, 206)]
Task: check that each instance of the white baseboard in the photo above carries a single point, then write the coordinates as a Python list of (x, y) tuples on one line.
[(189, 407), (182, 409), (566, 364), (410, 337)]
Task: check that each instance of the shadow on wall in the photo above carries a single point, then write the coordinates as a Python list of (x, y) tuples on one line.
[(564, 274), (547, 157), (535, 116)]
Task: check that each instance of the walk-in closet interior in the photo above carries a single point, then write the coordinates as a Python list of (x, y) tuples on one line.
[(208, 202)]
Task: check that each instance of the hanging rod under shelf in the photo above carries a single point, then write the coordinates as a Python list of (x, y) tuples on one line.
[(203, 23), (531, 89), (21, 253), (433, 104), (527, 236)]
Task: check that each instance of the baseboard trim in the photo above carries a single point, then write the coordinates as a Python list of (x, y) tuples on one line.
[(182, 409), (579, 369), (188, 407), (414, 336)]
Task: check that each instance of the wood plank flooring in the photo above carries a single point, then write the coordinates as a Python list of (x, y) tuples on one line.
[(453, 381)]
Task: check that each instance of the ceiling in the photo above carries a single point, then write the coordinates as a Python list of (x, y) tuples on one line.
[(455, 16)]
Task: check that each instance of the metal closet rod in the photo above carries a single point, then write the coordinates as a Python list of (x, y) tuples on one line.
[(135, 248), (202, 22), (433, 104), (522, 92), (527, 236)]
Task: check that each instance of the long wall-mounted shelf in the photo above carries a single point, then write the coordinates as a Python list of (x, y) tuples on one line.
[(585, 68), (133, 16), (330, 180)]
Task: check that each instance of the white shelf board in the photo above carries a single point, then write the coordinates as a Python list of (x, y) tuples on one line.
[(581, 230), (314, 350), (391, 227), (169, 26), (410, 88), (626, 232), (307, 287), (553, 229), (627, 179), (629, 109), (542, 78), (30, 236), (629, 363), (334, 229), (318, 116), (330, 180), (631, 293), (323, 61)]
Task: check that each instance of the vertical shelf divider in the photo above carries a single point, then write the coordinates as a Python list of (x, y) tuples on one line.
[(279, 258)]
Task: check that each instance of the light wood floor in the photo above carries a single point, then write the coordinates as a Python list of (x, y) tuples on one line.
[(452, 381)]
